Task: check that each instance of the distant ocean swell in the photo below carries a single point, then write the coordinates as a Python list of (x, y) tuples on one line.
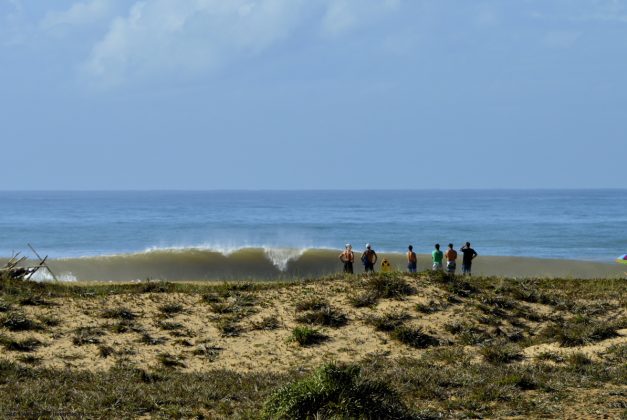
[(202, 264)]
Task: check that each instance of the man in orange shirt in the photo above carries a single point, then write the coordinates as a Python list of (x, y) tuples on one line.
[(451, 258), (412, 261)]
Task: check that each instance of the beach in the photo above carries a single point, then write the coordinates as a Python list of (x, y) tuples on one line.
[(287, 329), (264, 265)]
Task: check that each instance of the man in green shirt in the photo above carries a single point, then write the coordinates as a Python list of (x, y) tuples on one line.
[(437, 257)]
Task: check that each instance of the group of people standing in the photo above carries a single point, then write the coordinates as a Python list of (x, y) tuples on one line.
[(369, 259)]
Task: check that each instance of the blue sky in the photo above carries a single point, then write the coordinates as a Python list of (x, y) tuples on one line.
[(300, 94)]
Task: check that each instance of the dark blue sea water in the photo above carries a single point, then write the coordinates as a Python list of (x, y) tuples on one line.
[(572, 224)]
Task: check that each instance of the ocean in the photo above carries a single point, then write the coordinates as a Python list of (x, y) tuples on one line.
[(227, 234)]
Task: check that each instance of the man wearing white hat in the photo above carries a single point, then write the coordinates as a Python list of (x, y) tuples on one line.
[(347, 257)]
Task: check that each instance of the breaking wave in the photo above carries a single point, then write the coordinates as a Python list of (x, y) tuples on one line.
[(203, 264)]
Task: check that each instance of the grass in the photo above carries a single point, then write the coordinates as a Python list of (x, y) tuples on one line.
[(449, 381), (389, 286), (307, 336), (119, 313), (467, 334), (388, 321), (170, 361), (312, 304), (105, 351), (228, 327), (414, 337), (430, 308), (500, 353), (170, 326), (207, 351), (325, 316), (87, 335), (17, 321), (267, 323), (580, 330), (365, 299), (171, 309), (335, 391), (149, 340), (26, 345)]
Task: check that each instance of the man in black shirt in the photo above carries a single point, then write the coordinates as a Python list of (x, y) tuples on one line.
[(469, 255)]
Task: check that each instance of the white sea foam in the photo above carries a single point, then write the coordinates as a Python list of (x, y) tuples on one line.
[(280, 257), (43, 275)]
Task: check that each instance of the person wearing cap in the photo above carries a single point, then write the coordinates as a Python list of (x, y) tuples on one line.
[(369, 258), (412, 260), (469, 254), (347, 257)]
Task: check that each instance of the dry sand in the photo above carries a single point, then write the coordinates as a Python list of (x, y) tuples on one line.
[(201, 346)]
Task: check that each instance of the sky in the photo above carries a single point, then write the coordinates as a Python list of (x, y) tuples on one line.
[(312, 94)]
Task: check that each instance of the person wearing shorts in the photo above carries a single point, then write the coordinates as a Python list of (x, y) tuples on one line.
[(451, 259), (412, 260), (369, 259), (469, 254), (348, 257), (437, 257)]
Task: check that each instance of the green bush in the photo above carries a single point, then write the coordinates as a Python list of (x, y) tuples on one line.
[(326, 316), (389, 286), (335, 391), (414, 337), (306, 336), (579, 331), (387, 322), (500, 352)]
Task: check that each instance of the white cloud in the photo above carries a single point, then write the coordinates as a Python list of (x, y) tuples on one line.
[(81, 13), (165, 38)]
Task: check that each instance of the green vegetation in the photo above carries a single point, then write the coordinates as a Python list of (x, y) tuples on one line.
[(581, 330), (335, 391), (325, 316), (501, 352), (267, 323), (479, 372), (388, 321), (25, 345), (306, 336), (413, 337)]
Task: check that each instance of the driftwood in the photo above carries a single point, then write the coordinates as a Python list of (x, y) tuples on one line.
[(16, 272)]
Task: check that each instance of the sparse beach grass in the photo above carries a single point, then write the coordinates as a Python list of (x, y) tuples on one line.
[(420, 346)]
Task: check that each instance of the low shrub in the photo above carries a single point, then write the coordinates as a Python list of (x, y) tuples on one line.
[(325, 316), (414, 337), (26, 345), (87, 335), (363, 299), (170, 361), (306, 336), (267, 323), (119, 313), (389, 286), (312, 304), (335, 391), (500, 353), (17, 321), (388, 321), (171, 309), (579, 331)]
